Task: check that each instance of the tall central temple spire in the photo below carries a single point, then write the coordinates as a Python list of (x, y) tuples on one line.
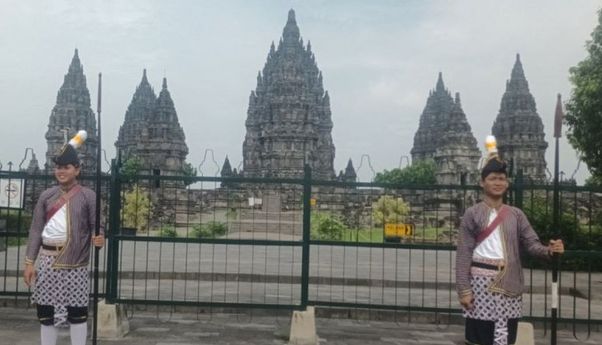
[(289, 121)]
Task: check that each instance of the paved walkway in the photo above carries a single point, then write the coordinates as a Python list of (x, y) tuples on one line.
[(18, 327)]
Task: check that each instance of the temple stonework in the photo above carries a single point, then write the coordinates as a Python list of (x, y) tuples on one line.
[(519, 129), (72, 113), (445, 137), (288, 120), (152, 133)]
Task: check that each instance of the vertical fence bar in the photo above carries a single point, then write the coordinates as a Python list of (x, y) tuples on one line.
[(113, 243), (306, 236), (519, 189)]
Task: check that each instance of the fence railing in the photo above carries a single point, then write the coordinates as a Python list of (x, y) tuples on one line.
[(289, 243)]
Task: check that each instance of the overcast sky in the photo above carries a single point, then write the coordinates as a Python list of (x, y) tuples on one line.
[(379, 60)]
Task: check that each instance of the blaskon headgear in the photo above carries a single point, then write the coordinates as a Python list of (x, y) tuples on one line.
[(68, 154), (492, 163)]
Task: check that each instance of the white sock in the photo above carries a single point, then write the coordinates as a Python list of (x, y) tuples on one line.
[(79, 333), (48, 335)]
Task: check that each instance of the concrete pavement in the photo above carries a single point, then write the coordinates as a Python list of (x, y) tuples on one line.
[(19, 327)]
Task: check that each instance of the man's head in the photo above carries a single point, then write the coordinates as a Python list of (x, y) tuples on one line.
[(66, 174), (66, 161), (494, 177), (67, 155)]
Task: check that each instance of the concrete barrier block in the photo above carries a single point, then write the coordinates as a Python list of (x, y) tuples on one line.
[(525, 335), (112, 322), (303, 328)]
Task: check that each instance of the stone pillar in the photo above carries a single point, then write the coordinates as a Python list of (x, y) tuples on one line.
[(112, 322), (303, 328)]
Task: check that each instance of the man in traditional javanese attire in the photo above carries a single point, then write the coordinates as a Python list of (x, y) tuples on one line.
[(60, 237), (489, 276)]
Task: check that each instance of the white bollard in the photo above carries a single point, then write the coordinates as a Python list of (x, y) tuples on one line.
[(525, 334), (112, 323), (303, 328)]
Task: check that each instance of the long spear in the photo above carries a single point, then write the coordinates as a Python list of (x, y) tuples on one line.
[(556, 218), (97, 228)]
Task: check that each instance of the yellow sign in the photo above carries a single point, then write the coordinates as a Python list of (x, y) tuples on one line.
[(398, 230), (313, 202)]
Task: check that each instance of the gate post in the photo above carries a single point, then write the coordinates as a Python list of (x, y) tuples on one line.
[(306, 236), (113, 243), (519, 189)]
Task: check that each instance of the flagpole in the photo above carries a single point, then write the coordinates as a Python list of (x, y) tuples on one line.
[(98, 210), (556, 219)]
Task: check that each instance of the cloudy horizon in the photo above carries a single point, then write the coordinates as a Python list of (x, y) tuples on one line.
[(379, 61)]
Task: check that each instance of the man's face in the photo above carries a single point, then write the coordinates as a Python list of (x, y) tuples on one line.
[(495, 184), (66, 174)]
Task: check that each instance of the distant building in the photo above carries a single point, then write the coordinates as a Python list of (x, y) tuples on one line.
[(444, 136), (152, 133), (72, 113), (519, 129), (289, 121)]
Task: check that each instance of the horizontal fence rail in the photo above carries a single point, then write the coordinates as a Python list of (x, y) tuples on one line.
[(289, 243)]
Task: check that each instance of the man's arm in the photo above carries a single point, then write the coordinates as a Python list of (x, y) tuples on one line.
[(529, 239), (34, 241), (465, 248)]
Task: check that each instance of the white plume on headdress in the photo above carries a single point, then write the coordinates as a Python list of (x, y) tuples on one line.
[(78, 140), (490, 144), (491, 150)]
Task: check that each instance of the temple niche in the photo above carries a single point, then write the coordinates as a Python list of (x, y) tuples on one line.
[(288, 120)]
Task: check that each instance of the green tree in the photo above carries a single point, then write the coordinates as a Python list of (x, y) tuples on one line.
[(584, 109), (389, 209), (188, 171), (136, 209), (421, 172), (130, 168)]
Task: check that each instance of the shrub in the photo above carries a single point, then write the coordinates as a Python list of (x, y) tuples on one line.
[(327, 227), (388, 209), (136, 209), (209, 230), (168, 231)]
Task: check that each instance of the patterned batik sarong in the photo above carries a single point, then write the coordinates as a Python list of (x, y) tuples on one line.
[(60, 287), (493, 320)]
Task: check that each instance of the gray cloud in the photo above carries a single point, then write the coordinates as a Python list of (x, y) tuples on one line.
[(379, 60)]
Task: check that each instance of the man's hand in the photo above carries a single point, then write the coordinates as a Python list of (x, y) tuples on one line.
[(467, 301), (556, 246), (29, 274), (98, 241)]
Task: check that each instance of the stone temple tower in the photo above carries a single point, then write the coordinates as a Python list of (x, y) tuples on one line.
[(152, 133), (71, 113), (136, 119), (289, 121), (519, 129), (444, 136)]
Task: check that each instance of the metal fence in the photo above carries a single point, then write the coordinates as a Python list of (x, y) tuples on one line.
[(290, 243)]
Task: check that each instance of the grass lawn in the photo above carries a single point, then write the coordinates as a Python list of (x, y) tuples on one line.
[(375, 235)]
